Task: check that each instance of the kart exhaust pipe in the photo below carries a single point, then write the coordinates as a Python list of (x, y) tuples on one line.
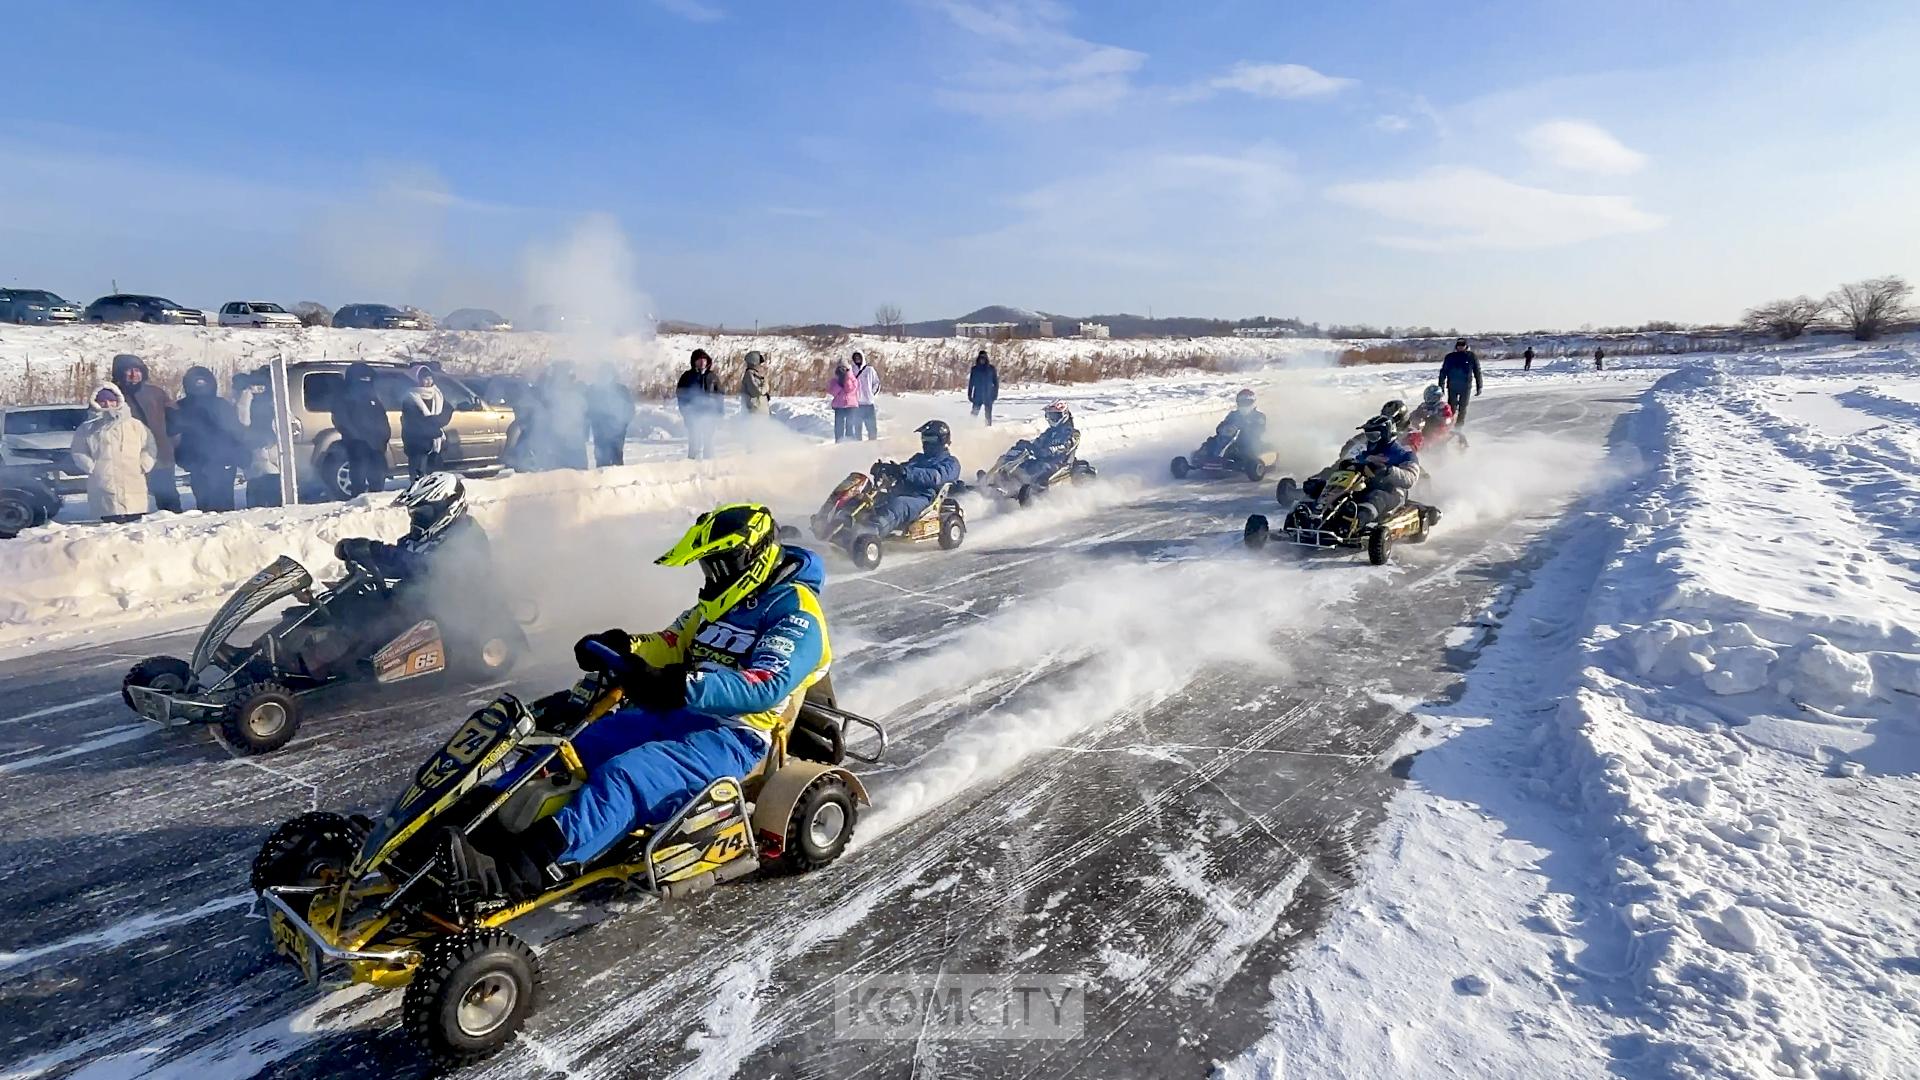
[(738, 868)]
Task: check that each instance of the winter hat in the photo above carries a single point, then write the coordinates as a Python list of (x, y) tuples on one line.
[(754, 358), (699, 355), (857, 358), (358, 372), (108, 390), (420, 372), (982, 358), (126, 362), (199, 380)]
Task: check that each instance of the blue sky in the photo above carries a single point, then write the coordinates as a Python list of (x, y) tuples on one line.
[(1481, 165)]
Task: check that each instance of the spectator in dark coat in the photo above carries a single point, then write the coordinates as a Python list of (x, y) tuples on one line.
[(150, 405), (753, 384), (1528, 356), (212, 444), (983, 385), (698, 394), (609, 415), (364, 430), (423, 423), (1460, 378), (1599, 359)]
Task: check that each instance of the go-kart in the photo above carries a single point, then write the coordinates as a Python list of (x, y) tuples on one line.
[(361, 628), (1332, 519), (1011, 477), (372, 903), (1221, 454), (845, 520)]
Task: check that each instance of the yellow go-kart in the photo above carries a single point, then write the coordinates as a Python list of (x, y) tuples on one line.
[(354, 901), (1331, 518)]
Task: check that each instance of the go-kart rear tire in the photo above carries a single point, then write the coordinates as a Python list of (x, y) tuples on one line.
[(1288, 492), (1257, 532), (821, 826), (865, 551), (261, 718), (1025, 495), (312, 849), (953, 531), (1379, 543), (1256, 470), (490, 657), (1181, 468), (471, 996), (167, 673)]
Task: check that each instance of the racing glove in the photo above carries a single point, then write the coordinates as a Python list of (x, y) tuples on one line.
[(354, 551), (618, 640)]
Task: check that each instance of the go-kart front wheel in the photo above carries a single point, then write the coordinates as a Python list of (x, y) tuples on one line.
[(1257, 532), (261, 718), (1288, 492), (1180, 468), (168, 674), (313, 849), (1379, 543), (472, 995), (953, 530), (821, 826), (1025, 495), (865, 551)]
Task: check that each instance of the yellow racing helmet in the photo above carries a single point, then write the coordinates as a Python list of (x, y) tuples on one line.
[(737, 547)]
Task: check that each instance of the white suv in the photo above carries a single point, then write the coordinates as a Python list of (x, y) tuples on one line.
[(256, 313)]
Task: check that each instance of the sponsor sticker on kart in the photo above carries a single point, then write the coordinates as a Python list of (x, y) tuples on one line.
[(292, 944), (149, 704)]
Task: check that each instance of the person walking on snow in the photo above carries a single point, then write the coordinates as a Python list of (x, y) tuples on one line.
[(1599, 359), (609, 415), (753, 384), (149, 405), (213, 445), (698, 393), (983, 385), (364, 430), (1460, 378), (423, 423), (1528, 366), (117, 452), (867, 381), (844, 395)]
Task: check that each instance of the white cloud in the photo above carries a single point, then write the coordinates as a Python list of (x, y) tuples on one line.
[(1391, 123), (1579, 146), (1290, 81), (1472, 208), (692, 10), (1035, 67)]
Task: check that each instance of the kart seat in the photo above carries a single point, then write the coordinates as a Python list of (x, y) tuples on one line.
[(802, 732), (539, 798)]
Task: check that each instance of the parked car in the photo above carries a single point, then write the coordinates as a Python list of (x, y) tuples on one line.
[(473, 318), (36, 307), (475, 438), (376, 317), (41, 437), (133, 307), (256, 313), (26, 499), (507, 390)]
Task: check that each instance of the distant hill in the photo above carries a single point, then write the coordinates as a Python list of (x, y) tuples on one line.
[(1121, 325)]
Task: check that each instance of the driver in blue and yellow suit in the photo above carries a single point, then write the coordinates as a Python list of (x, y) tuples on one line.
[(702, 704)]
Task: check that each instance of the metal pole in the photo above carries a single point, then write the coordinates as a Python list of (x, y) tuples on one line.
[(283, 427)]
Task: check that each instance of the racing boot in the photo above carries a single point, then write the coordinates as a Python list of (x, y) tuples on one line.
[(496, 865), (1365, 514)]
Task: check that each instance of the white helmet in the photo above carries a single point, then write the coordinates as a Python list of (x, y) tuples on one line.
[(434, 502), (1432, 394)]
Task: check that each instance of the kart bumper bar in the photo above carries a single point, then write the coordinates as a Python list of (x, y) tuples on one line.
[(296, 939), (1314, 538), (173, 710)]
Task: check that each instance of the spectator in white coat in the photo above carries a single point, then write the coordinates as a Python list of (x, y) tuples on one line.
[(116, 452), (866, 382)]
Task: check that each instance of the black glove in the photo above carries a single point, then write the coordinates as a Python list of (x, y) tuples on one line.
[(658, 689), (617, 640), (354, 551)]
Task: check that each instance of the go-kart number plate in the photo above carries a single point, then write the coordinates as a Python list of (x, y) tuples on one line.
[(292, 944), (151, 705)]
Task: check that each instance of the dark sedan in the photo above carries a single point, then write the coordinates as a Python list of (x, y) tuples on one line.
[(376, 317), (36, 307), (132, 307)]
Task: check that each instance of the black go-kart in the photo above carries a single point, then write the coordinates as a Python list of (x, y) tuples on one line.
[(1012, 477), (845, 520), (1220, 455), (361, 629)]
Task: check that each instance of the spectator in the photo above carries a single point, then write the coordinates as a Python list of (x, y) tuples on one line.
[(609, 415), (253, 404), (116, 452), (983, 385), (1460, 378), (423, 423), (753, 384), (364, 430), (212, 443), (1599, 359), (867, 382), (149, 405), (845, 396), (561, 428), (698, 394), (1528, 366)]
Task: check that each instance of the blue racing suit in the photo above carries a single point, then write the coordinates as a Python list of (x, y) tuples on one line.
[(1052, 451), (745, 666), (920, 478)]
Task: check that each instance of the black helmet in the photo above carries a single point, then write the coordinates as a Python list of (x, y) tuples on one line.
[(434, 502), (1395, 411), (1244, 397), (935, 434), (1378, 430)]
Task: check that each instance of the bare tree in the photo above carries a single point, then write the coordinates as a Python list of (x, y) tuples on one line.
[(888, 316), (313, 314), (1785, 319), (1869, 306)]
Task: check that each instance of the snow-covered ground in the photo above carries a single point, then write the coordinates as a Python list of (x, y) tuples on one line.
[(1670, 829)]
